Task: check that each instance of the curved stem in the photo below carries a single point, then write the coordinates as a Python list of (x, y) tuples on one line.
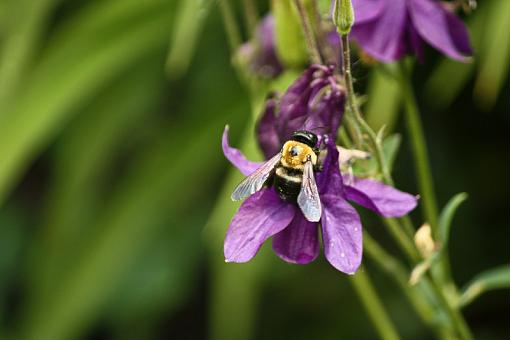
[(373, 305)]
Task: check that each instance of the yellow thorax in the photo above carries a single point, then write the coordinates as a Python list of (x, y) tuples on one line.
[(295, 155)]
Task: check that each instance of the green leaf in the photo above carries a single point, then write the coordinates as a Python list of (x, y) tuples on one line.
[(289, 38), (391, 145), (446, 217), (491, 279), (189, 21), (67, 76), (494, 55), (384, 101)]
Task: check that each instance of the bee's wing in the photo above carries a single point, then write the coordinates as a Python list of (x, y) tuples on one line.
[(256, 180), (308, 198)]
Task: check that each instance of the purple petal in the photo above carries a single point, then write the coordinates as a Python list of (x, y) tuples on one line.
[(366, 10), (440, 28), (261, 216), (384, 37), (382, 199), (329, 180), (299, 242), (237, 158), (267, 135), (341, 234)]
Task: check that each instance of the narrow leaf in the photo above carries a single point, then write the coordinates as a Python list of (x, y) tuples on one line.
[(445, 219), (391, 145), (491, 279)]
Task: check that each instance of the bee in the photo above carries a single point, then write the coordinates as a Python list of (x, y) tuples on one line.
[(291, 173)]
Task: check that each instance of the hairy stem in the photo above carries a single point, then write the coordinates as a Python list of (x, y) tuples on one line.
[(354, 109)]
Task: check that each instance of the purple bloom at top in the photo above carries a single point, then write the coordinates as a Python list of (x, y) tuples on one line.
[(265, 214), (390, 29), (260, 53)]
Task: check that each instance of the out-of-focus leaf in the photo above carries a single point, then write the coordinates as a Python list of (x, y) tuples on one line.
[(85, 154), (446, 217), (67, 76), (491, 279), (383, 103), (494, 55), (188, 25), (234, 288), (25, 25), (450, 76), (289, 38), (160, 280), (391, 145), (13, 233), (156, 187)]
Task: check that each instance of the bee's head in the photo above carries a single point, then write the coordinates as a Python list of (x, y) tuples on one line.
[(305, 137)]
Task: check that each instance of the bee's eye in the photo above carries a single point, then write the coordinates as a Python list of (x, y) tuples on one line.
[(294, 151)]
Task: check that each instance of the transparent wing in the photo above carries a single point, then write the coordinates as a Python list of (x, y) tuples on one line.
[(256, 180), (308, 198)]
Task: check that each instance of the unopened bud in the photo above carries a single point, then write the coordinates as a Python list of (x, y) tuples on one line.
[(423, 240), (343, 16)]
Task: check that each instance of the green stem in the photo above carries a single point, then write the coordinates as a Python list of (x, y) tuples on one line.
[(373, 305), (251, 16), (405, 243), (231, 28), (419, 148), (306, 25), (456, 316), (354, 109), (397, 272)]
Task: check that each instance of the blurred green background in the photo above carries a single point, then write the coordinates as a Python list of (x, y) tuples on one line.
[(115, 194)]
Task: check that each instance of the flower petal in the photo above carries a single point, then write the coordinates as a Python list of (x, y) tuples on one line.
[(299, 242), (236, 157), (384, 37), (440, 28), (267, 135), (341, 234), (383, 199), (366, 10), (261, 216)]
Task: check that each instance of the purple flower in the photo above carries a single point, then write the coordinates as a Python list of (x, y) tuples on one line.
[(390, 29), (314, 102), (260, 54), (314, 98)]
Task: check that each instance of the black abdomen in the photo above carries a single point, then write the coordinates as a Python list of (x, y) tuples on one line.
[(287, 183)]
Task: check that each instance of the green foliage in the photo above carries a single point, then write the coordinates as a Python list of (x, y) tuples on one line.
[(491, 279), (289, 39)]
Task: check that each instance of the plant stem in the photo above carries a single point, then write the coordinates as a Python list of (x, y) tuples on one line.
[(251, 16), (373, 305), (456, 316), (231, 28), (397, 272), (354, 109), (405, 243), (419, 148), (311, 42)]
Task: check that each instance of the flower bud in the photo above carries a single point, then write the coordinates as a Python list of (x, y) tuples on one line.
[(343, 16)]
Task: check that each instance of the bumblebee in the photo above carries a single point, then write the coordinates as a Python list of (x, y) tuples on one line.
[(291, 173)]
